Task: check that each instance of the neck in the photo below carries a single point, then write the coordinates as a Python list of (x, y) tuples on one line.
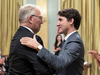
[(70, 31), (59, 41), (27, 25)]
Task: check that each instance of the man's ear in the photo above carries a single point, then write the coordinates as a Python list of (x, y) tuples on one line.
[(30, 18), (71, 21)]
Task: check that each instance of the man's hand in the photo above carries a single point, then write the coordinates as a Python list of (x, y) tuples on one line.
[(2, 61), (94, 54), (98, 57), (30, 42)]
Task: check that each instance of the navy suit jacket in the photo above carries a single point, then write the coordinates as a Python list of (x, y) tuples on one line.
[(22, 59), (70, 59)]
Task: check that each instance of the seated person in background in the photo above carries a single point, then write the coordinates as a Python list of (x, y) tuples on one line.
[(2, 63), (2, 59), (96, 56), (58, 44)]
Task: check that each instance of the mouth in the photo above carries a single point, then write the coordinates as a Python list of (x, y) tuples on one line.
[(59, 28)]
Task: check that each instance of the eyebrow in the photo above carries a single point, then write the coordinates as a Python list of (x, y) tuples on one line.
[(60, 19)]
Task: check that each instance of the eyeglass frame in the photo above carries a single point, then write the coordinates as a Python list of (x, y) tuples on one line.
[(40, 17)]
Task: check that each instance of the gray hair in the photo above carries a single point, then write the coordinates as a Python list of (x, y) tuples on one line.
[(25, 11)]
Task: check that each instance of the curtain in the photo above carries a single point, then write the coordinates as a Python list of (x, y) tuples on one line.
[(8, 22), (90, 26)]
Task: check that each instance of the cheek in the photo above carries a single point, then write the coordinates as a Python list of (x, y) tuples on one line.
[(36, 23), (63, 24)]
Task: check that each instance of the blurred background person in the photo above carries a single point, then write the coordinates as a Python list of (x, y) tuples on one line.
[(58, 44), (96, 56)]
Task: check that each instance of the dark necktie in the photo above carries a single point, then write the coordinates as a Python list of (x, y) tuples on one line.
[(63, 42)]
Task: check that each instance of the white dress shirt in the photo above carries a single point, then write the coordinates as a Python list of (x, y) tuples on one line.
[(66, 37)]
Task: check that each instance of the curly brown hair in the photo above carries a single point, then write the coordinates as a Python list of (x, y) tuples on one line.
[(71, 13)]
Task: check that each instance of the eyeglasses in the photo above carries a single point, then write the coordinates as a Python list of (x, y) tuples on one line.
[(40, 17)]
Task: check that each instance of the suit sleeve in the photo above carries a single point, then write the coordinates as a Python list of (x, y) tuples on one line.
[(41, 67), (70, 53)]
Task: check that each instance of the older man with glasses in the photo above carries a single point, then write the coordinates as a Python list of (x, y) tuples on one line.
[(22, 59)]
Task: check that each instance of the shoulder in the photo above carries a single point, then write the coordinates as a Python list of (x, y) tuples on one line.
[(75, 37)]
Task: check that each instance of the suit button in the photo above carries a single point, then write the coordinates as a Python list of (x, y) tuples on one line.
[(43, 58)]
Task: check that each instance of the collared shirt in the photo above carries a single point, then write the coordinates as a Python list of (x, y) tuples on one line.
[(28, 29), (69, 35)]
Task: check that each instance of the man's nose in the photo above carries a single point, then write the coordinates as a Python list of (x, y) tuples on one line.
[(57, 24)]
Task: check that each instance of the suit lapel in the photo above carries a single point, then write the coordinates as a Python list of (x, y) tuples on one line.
[(64, 45)]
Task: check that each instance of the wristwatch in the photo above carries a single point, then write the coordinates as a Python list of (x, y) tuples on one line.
[(39, 47)]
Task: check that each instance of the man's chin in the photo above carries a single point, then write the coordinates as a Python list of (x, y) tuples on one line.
[(37, 31)]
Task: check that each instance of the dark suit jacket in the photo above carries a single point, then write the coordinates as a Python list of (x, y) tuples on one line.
[(70, 59), (23, 60)]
